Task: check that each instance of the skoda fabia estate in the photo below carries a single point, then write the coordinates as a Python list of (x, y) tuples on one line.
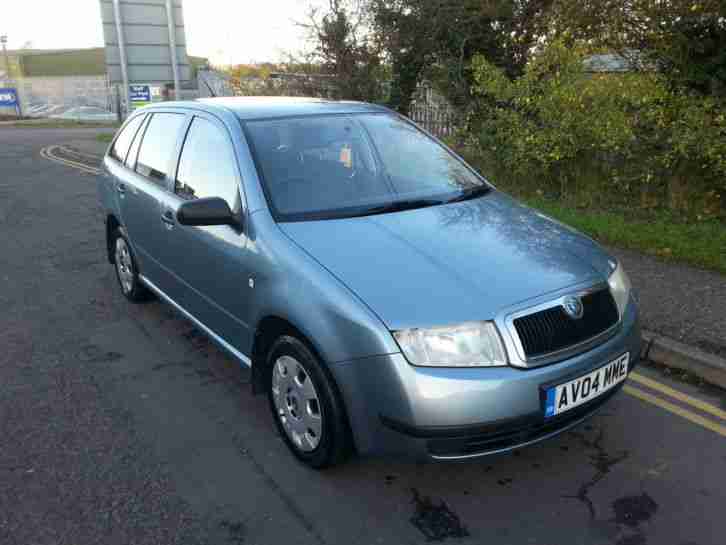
[(387, 298)]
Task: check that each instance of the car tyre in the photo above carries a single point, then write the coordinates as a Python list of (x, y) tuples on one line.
[(127, 271), (305, 404)]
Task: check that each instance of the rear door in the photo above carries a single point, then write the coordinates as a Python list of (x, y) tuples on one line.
[(210, 264), (112, 182), (147, 178)]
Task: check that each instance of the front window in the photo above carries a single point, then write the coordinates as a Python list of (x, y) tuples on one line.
[(328, 167)]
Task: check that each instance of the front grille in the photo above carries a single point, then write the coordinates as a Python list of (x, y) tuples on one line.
[(552, 329)]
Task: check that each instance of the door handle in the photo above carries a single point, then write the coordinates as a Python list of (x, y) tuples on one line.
[(121, 188)]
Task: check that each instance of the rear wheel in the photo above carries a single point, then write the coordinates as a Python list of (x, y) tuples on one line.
[(305, 404), (127, 272)]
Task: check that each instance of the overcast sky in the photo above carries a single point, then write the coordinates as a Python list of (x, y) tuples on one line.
[(226, 31)]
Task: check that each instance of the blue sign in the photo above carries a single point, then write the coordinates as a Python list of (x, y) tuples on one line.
[(9, 97), (140, 93)]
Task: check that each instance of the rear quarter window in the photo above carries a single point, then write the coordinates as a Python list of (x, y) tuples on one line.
[(123, 141), (134, 149)]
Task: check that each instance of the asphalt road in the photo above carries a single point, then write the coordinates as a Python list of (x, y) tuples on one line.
[(122, 424)]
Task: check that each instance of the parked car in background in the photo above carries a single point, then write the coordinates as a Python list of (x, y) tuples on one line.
[(87, 113), (388, 299)]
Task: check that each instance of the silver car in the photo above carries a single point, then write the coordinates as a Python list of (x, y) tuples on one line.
[(387, 298)]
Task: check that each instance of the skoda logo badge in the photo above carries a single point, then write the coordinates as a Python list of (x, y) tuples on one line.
[(573, 307)]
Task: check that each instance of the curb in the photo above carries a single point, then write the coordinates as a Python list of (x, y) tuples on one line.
[(674, 354)]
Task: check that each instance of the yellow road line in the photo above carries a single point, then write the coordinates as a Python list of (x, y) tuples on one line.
[(680, 396), (675, 409), (47, 153), (70, 162), (81, 153)]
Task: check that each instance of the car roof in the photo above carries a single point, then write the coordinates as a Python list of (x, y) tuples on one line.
[(247, 108)]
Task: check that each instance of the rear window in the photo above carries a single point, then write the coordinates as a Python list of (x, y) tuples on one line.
[(158, 145), (121, 145)]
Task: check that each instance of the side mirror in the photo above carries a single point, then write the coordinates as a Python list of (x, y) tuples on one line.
[(209, 211)]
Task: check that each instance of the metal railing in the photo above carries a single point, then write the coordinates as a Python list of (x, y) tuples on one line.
[(440, 120)]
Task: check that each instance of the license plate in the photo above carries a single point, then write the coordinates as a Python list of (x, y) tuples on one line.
[(569, 395)]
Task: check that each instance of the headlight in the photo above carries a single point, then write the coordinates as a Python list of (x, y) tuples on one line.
[(471, 344), (620, 288)]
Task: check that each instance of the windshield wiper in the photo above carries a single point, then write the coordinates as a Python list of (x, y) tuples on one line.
[(398, 206), (470, 193), (411, 204)]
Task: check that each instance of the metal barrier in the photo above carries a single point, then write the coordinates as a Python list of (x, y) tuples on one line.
[(79, 98), (440, 120)]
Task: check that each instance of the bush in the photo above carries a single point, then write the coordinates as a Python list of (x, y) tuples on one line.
[(598, 138)]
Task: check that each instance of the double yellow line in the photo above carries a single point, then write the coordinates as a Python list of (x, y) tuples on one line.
[(689, 415), (49, 153)]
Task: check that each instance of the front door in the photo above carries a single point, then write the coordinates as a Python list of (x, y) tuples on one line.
[(209, 263)]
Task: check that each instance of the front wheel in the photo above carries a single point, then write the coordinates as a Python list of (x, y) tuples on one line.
[(306, 405)]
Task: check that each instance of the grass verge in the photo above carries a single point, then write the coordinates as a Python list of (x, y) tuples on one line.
[(702, 244), (105, 137)]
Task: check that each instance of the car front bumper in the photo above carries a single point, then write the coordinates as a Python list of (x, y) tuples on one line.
[(459, 413)]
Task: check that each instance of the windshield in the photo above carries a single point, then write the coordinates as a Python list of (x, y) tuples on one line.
[(342, 166)]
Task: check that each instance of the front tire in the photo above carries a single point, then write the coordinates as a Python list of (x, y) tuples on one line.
[(127, 272), (305, 404)]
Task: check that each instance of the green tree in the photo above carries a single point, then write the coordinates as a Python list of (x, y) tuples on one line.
[(683, 39), (602, 136), (437, 39), (345, 49)]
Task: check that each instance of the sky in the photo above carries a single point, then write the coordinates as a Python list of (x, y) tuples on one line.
[(225, 31)]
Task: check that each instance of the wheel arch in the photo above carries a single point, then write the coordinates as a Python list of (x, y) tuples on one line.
[(269, 329)]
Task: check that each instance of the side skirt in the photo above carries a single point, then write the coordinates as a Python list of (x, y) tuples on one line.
[(211, 334)]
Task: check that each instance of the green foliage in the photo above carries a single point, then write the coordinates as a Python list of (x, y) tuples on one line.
[(247, 71), (684, 39), (436, 40), (632, 135), (345, 49)]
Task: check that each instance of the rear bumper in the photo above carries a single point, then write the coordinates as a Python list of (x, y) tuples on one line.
[(448, 414)]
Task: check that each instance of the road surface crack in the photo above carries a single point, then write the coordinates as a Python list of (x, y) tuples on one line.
[(603, 463)]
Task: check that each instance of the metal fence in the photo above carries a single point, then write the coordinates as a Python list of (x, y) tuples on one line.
[(80, 98), (440, 120)]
